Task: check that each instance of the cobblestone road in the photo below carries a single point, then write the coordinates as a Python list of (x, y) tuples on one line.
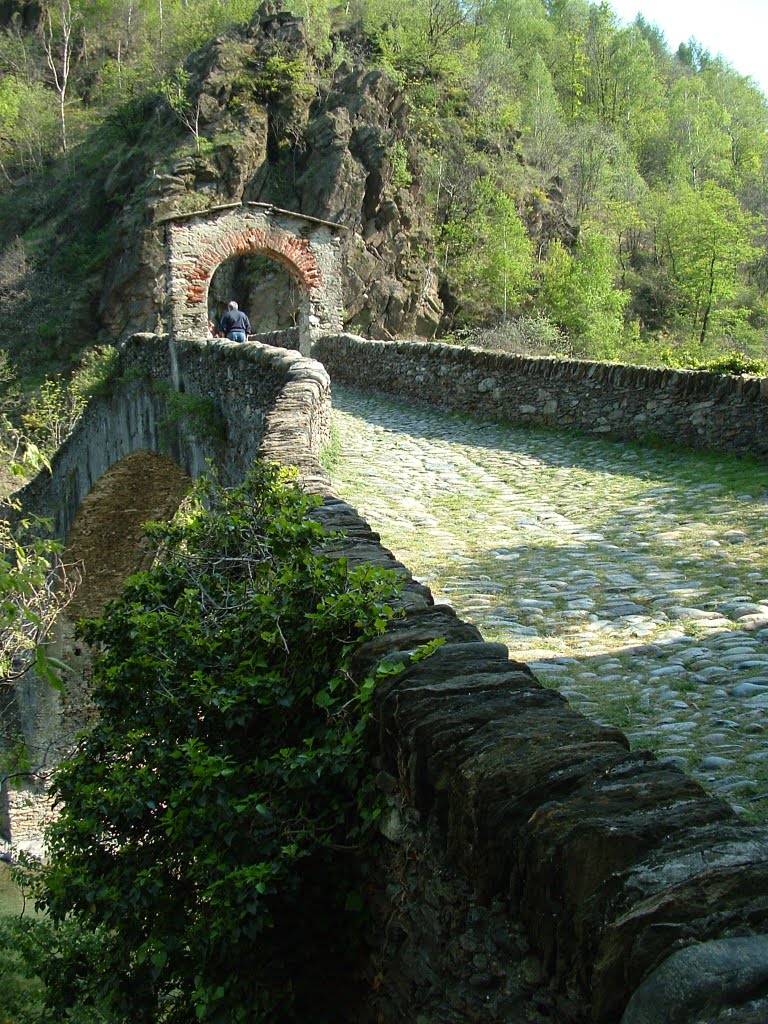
[(633, 580)]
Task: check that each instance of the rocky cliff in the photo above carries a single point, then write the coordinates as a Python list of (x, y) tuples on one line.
[(277, 123)]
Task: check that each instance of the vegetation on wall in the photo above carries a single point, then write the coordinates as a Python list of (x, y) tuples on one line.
[(217, 814)]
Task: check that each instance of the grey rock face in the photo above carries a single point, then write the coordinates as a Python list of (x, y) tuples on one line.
[(726, 979), (325, 151)]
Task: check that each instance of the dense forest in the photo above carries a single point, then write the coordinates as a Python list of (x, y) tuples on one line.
[(586, 187)]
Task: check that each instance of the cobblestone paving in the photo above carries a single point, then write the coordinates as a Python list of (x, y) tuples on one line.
[(634, 580)]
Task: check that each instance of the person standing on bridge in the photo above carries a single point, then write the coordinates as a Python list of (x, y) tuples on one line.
[(235, 325)]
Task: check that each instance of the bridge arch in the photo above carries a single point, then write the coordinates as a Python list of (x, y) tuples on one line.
[(308, 248)]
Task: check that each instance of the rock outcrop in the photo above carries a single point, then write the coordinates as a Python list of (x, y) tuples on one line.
[(279, 124)]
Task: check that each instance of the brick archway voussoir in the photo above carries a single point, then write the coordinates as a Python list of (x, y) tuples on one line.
[(291, 252)]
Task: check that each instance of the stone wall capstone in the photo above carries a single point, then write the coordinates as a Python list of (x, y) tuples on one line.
[(686, 407)]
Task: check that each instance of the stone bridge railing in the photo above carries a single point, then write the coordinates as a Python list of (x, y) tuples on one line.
[(686, 407), (194, 400), (536, 869), (532, 868)]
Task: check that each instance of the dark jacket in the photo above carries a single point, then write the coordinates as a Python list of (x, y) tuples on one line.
[(234, 320)]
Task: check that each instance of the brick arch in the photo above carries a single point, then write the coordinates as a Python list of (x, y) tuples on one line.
[(308, 248), (291, 252)]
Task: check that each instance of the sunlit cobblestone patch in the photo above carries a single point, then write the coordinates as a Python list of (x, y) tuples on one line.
[(634, 580)]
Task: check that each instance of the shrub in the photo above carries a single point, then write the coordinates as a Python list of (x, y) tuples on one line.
[(526, 335), (734, 362), (212, 822)]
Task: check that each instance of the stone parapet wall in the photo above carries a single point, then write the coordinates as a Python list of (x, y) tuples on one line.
[(288, 337), (196, 401), (686, 407), (532, 868), (154, 404)]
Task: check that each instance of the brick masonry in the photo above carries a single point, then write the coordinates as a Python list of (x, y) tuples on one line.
[(308, 249)]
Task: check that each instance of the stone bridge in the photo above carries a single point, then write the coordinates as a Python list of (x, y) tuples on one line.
[(195, 401), (532, 869)]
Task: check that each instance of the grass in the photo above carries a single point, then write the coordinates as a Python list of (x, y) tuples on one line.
[(332, 453), (11, 899)]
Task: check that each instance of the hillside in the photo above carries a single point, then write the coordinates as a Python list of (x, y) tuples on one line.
[(535, 168)]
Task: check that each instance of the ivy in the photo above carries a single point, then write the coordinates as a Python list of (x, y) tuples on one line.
[(213, 823)]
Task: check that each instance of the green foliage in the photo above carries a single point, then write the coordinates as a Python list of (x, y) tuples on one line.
[(523, 335), (29, 574), (34, 586), (197, 416), (212, 821), (29, 947), (29, 133), (96, 372), (52, 412), (579, 294), (734, 362), (418, 39), (316, 15), (401, 176), (22, 989), (488, 251), (277, 77), (331, 453), (706, 238), (178, 94)]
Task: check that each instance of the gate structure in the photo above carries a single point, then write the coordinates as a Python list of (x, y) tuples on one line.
[(307, 247)]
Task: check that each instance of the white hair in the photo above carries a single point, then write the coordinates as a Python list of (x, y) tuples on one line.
[(232, 305)]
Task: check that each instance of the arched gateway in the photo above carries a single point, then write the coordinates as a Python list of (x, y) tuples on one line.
[(198, 243)]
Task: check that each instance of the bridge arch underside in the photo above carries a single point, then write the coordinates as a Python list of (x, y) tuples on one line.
[(308, 251), (107, 540), (106, 543)]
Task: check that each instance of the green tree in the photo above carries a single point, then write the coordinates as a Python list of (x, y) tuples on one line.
[(22, 989), (519, 25), (746, 120), (29, 126), (415, 39), (706, 239), (542, 119), (491, 255), (594, 152), (177, 90), (59, 28), (212, 819), (579, 294), (569, 63), (698, 141), (34, 585)]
